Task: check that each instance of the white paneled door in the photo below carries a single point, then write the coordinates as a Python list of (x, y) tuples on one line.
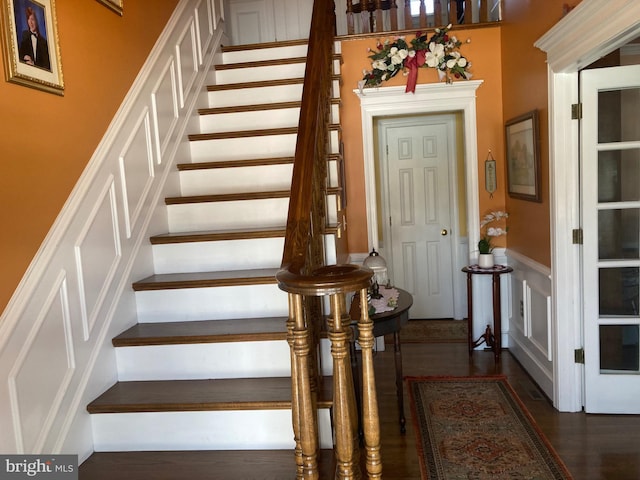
[(610, 187), (417, 174)]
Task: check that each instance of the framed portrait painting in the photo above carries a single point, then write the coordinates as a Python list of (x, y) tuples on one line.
[(30, 47), (115, 5), (523, 157)]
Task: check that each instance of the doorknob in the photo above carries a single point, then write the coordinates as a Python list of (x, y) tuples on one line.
[(443, 232)]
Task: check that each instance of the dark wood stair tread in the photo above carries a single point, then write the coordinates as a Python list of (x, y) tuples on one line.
[(198, 465), (260, 63), (195, 137), (219, 235), (256, 107), (257, 46), (228, 197), (270, 393), (260, 83), (168, 281), (204, 331), (232, 197), (250, 162)]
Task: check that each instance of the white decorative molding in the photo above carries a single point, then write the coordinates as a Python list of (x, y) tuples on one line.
[(187, 57), (136, 170), (164, 107), (590, 31), (35, 392), (95, 271), (428, 98), (52, 318), (573, 43)]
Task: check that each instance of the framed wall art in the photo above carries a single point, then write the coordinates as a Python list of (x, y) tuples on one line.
[(523, 157), (30, 47), (115, 5)]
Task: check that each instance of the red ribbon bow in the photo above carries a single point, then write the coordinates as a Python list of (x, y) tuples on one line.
[(413, 63)]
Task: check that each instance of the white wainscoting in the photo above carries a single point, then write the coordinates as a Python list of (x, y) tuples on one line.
[(530, 327), (55, 333)]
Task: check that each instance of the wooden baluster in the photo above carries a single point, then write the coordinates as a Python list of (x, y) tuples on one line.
[(344, 406), (379, 23), (350, 28), (393, 15), (437, 13), (423, 14), (365, 23), (453, 9), (305, 420), (370, 419), (408, 19), (295, 394), (484, 11), (468, 12)]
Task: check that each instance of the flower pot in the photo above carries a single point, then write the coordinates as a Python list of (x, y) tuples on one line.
[(485, 260)]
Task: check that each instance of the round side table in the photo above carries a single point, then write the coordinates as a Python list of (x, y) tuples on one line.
[(492, 339)]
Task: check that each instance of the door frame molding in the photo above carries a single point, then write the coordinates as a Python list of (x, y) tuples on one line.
[(572, 44), (428, 98)]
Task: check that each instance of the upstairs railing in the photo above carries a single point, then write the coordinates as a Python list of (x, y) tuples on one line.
[(373, 16), (306, 279)]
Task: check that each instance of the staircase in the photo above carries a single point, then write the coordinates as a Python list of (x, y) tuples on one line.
[(204, 386)]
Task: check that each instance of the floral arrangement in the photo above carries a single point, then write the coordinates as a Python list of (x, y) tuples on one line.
[(484, 245), (439, 52)]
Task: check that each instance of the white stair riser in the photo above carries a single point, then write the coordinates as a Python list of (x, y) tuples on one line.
[(254, 120), (230, 430), (257, 54), (213, 303), (205, 360), (221, 255), (263, 178), (270, 212), (253, 95), (259, 74), (265, 146), (261, 146), (224, 255)]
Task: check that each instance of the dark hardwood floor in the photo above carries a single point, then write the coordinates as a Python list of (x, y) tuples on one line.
[(593, 447)]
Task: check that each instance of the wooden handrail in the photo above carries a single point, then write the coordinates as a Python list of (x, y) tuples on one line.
[(306, 279)]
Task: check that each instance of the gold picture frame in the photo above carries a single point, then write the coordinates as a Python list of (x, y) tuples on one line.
[(523, 157), (30, 46), (115, 5)]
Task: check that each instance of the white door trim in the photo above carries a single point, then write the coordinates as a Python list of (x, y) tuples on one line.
[(573, 43), (428, 98)]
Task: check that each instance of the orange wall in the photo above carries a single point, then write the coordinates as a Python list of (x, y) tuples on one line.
[(484, 54), (524, 85), (46, 139)]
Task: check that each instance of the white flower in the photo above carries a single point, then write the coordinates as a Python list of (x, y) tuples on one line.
[(435, 55), (462, 62), (412, 53), (496, 231), (404, 53), (379, 65), (393, 51), (396, 59)]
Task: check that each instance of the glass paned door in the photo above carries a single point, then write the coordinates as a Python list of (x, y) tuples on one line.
[(610, 185)]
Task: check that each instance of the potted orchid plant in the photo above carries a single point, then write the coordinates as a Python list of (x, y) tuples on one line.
[(485, 246)]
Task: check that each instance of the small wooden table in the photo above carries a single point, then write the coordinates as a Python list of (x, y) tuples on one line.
[(492, 340), (385, 323)]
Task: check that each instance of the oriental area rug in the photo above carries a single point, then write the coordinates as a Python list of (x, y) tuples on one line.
[(477, 428)]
